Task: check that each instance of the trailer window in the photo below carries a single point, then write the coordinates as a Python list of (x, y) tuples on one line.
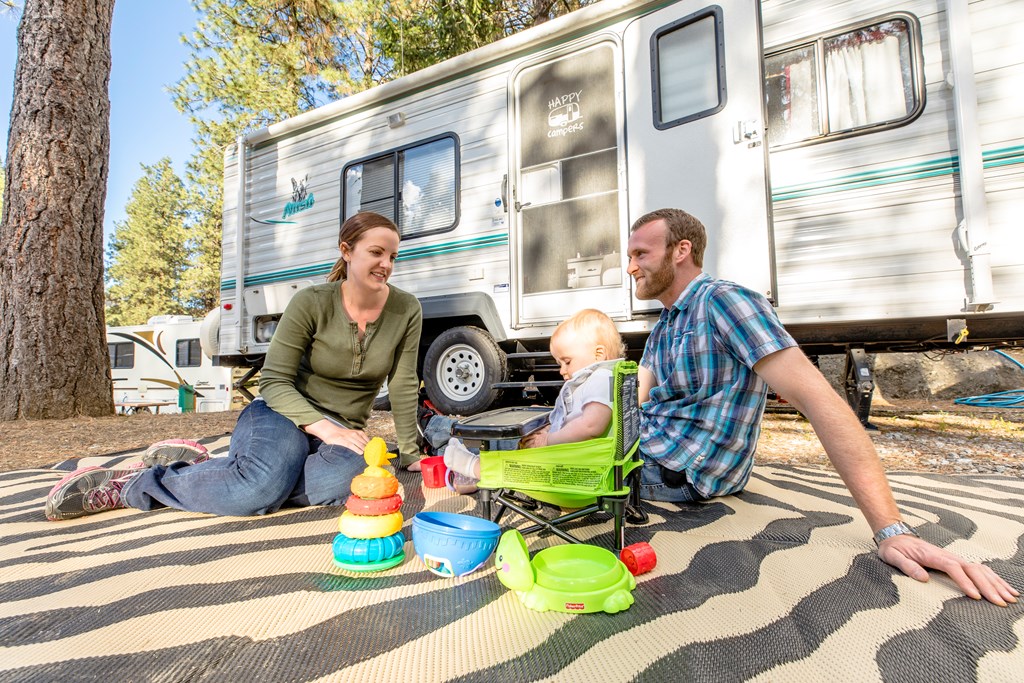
[(844, 83), (122, 355), (415, 186), (689, 69), (188, 353)]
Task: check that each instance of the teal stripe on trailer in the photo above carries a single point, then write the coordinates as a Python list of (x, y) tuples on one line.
[(1009, 152), (898, 174), (928, 169), (322, 269), (1004, 157)]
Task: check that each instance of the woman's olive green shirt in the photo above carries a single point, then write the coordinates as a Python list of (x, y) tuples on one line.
[(317, 366)]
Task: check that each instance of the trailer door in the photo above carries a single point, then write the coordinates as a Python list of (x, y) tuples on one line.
[(568, 176), (695, 123)]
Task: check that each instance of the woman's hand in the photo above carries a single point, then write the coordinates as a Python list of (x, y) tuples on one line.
[(336, 435)]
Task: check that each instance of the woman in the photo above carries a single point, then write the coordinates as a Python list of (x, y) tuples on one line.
[(300, 442)]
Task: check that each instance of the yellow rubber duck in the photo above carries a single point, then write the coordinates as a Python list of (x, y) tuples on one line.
[(376, 456)]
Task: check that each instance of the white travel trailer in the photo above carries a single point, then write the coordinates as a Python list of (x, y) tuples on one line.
[(150, 363), (859, 162)]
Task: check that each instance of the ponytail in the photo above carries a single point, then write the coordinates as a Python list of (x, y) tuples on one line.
[(339, 271)]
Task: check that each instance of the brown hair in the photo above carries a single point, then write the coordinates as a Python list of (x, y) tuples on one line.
[(681, 226), (351, 232), (597, 327)]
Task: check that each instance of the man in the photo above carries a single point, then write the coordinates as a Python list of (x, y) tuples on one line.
[(704, 378)]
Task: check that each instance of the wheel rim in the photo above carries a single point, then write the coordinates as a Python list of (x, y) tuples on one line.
[(460, 372)]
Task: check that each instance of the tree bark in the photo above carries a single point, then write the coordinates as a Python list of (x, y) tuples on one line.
[(53, 354)]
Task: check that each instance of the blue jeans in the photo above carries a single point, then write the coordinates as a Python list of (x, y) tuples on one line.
[(439, 431), (271, 463), (653, 486)]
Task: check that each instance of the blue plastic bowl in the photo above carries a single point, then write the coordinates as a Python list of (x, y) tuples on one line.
[(451, 544)]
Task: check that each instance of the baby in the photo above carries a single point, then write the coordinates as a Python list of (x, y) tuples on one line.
[(583, 410)]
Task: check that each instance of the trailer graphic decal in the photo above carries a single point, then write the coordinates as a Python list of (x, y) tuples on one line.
[(301, 199), (564, 114)]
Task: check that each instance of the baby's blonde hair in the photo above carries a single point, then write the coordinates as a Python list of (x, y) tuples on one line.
[(594, 326)]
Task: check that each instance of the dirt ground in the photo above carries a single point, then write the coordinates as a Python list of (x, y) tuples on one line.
[(915, 435)]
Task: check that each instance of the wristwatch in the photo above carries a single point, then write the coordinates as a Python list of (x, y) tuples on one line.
[(895, 529)]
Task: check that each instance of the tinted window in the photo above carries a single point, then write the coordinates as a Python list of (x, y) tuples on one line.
[(122, 355), (188, 353)]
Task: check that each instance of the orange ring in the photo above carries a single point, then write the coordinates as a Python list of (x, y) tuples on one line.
[(374, 487)]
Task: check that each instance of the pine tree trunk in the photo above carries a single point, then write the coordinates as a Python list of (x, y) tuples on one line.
[(53, 354)]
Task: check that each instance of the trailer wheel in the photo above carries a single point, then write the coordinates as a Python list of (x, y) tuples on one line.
[(459, 369), (382, 401)]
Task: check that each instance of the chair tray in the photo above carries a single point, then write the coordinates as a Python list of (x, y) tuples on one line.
[(503, 423)]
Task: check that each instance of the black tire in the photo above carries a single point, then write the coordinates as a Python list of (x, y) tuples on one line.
[(459, 369), (383, 399), (548, 394)]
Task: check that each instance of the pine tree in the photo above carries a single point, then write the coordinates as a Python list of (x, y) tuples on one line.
[(253, 63), (147, 253), (53, 352), (200, 284)]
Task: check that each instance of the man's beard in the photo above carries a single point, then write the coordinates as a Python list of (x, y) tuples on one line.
[(656, 282)]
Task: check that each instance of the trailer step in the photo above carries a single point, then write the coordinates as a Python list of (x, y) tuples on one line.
[(529, 354), (523, 385)]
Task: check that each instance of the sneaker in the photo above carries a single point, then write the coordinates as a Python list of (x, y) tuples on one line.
[(171, 451), (86, 491)]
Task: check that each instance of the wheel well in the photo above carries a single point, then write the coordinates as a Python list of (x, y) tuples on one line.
[(433, 327)]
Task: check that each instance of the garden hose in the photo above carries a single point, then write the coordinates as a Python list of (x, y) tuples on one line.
[(1001, 399)]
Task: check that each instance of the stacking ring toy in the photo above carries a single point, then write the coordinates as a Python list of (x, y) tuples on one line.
[(364, 526), (373, 506), (366, 486), (366, 550)]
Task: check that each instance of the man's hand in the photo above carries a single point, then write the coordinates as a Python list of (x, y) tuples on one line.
[(911, 555)]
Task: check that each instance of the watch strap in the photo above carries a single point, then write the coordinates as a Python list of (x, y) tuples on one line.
[(894, 529)]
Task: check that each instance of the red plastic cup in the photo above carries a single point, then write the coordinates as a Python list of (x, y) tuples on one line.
[(639, 558), (433, 471)]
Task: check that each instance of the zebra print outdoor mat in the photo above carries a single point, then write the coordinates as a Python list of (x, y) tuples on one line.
[(779, 583)]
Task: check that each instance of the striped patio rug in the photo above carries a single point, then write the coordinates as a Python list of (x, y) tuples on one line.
[(779, 583)]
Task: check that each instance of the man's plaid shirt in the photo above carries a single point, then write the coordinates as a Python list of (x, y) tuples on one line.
[(704, 413)]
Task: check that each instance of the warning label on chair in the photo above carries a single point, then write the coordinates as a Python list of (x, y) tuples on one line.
[(536, 475)]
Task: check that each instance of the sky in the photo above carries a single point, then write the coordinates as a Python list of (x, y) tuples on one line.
[(147, 57)]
